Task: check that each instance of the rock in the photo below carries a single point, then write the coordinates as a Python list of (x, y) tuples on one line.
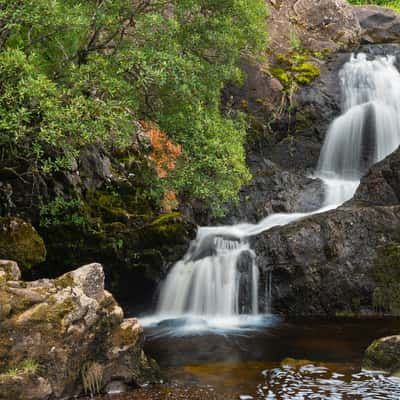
[(9, 270), (383, 355), (66, 336), (324, 264), (274, 190), (379, 24), (24, 386), (90, 278), (381, 185), (326, 25), (20, 242), (94, 167)]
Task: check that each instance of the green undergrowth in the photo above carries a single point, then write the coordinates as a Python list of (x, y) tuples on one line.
[(28, 366)]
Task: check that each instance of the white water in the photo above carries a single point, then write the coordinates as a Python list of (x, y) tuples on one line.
[(218, 279)]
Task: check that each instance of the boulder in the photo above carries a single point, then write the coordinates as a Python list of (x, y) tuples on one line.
[(378, 24), (67, 336), (20, 242), (381, 185), (324, 24), (325, 264), (383, 355)]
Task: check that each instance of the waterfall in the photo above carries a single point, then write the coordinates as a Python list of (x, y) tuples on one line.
[(219, 277)]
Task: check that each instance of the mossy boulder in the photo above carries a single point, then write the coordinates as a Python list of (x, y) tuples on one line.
[(383, 355), (19, 241), (56, 332)]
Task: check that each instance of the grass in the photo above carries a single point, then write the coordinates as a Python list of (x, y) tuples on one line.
[(393, 4), (29, 366)]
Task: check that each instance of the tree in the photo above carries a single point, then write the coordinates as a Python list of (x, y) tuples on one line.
[(77, 72)]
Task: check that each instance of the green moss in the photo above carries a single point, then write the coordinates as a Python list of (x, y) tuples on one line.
[(306, 73), (20, 242), (52, 313), (64, 281), (280, 74), (386, 274)]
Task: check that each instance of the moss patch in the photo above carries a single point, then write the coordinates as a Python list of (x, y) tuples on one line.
[(20, 242), (386, 274)]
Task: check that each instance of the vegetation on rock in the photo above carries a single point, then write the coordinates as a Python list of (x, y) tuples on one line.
[(75, 73), (386, 296)]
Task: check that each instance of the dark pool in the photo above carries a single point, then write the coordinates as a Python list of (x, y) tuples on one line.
[(286, 360)]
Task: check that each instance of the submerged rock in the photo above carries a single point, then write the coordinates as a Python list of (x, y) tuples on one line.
[(383, 355), (65, 336)]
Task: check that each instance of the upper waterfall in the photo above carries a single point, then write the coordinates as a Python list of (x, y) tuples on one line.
[(218, 276)]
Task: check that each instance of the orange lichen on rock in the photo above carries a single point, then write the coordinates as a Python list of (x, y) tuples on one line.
[(170, 201), (165, 152), (164, 155)]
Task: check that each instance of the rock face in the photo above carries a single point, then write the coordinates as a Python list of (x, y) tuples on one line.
[(19, 241), (325, 264), (324, 24), (381, 186), (62, 337), (379, 24), (383, 355)]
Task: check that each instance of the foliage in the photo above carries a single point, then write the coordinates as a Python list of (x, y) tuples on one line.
[(92, 377), (28, 366), (60, 211), (393, 4), (294, 41), (76, 72)]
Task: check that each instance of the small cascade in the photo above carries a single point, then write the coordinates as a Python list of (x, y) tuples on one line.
[(368, 129), (219, 277), (224, 281)]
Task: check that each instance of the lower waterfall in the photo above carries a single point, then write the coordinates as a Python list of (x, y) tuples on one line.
[(218, 277)]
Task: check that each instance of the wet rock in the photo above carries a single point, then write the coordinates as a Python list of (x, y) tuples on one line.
[(20, 242), (272, 190), (381, 185), (379, 24), (62, 335), (324, 264), (94, 167), (383, 355)]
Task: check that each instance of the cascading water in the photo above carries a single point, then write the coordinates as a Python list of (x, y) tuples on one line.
[(218, 276)]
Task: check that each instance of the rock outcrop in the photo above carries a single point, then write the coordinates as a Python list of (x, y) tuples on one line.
[(383, 355), (378, 24), (324, 24), (381, 185), (325, 264), (62, 337)]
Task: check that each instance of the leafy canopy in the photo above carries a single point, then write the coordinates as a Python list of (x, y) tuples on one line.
[(74, 72)]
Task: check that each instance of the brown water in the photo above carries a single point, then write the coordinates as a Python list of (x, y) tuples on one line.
[(289, 360)]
